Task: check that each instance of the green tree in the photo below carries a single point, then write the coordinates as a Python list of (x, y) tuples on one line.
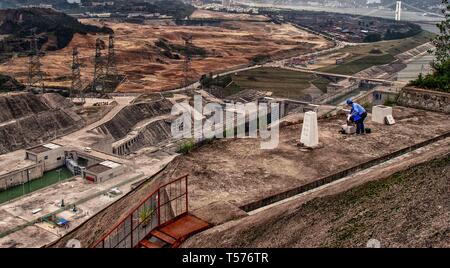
[(442, 40), (440, 78)]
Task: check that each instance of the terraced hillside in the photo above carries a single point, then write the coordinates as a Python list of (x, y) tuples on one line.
[(128, 117), (27, 119)]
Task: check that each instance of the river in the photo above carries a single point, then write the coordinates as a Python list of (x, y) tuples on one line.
[(426, 21), (49, 178)]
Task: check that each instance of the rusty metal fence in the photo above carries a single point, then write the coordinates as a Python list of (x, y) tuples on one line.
[(163, 205)]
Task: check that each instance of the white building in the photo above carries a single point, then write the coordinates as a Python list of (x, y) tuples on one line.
[(103, 171), (51, 155)]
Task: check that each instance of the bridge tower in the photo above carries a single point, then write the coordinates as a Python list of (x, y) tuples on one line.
[(398, 10)]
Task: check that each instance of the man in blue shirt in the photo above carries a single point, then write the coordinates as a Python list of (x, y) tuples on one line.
[(357, 115)]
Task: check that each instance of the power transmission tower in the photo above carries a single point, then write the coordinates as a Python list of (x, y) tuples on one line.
[(111, 67), (187, 59), (76, 90), (99, 70), (35, 80)]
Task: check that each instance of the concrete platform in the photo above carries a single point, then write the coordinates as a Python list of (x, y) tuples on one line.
[(87, 197), (239, 172)]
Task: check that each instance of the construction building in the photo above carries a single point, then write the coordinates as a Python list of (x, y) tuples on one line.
[(103, 171), (50, 155)]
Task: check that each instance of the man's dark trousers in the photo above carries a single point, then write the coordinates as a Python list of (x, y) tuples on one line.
[(360, 129)]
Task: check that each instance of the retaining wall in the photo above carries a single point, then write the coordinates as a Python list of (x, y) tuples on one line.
[(425, 99), (21, 176), (128, 117)]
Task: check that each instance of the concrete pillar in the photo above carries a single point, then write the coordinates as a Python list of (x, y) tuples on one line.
[(310, 130)]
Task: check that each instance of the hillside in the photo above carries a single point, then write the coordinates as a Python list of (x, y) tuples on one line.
[(407, 209), (54, 29), (8, 83), (175, 8), (27, 119)]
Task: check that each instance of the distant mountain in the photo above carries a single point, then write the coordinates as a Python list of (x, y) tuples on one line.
[(175, 8)]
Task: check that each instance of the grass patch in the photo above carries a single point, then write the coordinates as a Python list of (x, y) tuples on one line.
[(360, 64), (187, 146), (363, 56), (283, 83)]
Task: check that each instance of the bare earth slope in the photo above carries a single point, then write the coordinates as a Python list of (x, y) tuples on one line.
[(409, 209), (149, 67), (238, 172)]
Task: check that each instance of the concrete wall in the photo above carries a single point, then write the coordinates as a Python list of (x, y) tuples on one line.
[(109, 174), (119, 126), (425, 99), (376, 97), (338, 92), (75, 155), (21, 176), (151, 135)]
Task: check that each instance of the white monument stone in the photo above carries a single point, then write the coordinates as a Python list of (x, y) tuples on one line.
[(310, 130), (380, 112)]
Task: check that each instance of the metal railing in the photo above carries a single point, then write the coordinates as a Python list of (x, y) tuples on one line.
[(163, 205)]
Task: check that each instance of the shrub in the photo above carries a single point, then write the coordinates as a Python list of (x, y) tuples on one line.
[(187, 146)]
